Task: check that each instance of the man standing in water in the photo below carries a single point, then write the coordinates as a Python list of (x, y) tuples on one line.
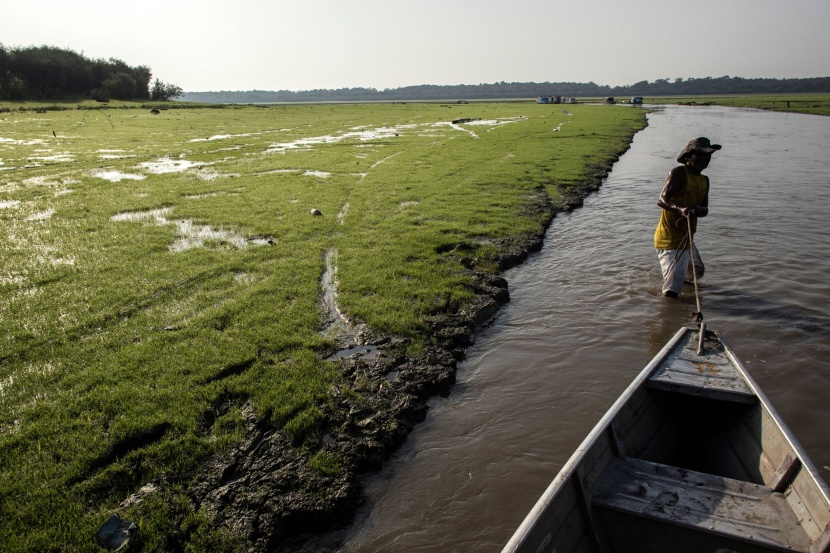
[(685, 195)]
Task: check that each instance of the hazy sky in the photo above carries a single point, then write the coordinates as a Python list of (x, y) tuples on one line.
[(278, 45)]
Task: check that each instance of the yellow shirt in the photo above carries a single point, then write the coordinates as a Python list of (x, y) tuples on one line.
[(672, 229)]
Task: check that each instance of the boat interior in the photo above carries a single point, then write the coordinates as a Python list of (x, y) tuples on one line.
[(694, 460)]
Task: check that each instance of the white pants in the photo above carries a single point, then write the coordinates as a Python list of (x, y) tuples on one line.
[(676, 272)]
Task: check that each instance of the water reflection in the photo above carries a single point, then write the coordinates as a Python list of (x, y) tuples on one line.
[(739, 303)]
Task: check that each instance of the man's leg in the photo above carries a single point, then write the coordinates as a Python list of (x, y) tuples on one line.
[(699, 268), (673, 271)]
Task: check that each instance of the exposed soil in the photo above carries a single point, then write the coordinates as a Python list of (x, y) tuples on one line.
[(266, 491)]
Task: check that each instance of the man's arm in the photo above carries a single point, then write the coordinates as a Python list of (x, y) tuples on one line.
[(675, 183), (703, 209)]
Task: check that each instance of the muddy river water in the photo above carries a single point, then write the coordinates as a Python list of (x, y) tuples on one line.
[(585, 316)]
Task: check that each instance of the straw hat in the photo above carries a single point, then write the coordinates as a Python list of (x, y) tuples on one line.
[(701, 144)]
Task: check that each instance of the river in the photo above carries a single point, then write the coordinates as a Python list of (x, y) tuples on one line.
[(586, 315)]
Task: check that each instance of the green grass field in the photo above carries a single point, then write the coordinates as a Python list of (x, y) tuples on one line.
[(158, 267)]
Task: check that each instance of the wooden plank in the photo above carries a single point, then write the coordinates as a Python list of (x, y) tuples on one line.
[(822, 544), (642, 425), (596, 459), (704, 502), (808, 502), (773, 441), (617, 443), (709, 375), (562, 526), (585, 501), (786, 470)]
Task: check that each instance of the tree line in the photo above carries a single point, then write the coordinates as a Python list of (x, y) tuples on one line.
[(504, 90), (49, 73)]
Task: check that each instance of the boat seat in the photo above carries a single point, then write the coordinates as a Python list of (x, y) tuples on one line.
[(710, 375), (732, 509)]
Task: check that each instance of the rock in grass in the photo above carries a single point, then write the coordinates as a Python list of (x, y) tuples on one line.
[(115, 533), (315, 211)]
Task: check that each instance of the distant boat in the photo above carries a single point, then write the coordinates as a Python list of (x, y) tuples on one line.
[(691, 458)]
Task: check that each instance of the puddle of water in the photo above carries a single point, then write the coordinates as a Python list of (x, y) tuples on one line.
[(262, 241), (340, 328), (480, 122), (278, 171), (321, 174), (364, 351), (494, 122), (156, 216), (410, 203), (244, 278), (462, 129), (329, 286), (361, 135), (167, 165), (212, 174), (56, 158), (220, 137), (343, 212), (116, 176), (48, 180), (8, 204), (114, 156), (196, 236), (190, 235), (384, 160), (42, 216), (16, 142)]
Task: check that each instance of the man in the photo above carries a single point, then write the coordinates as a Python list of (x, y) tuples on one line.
[(685, 195)]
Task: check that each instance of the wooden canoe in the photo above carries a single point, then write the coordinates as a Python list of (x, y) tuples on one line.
[(691, 458)]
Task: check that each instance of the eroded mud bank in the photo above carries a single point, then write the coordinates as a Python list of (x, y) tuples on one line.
[(273, 495)]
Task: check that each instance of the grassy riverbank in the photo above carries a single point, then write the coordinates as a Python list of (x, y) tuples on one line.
[(161, 284), (813, 104)]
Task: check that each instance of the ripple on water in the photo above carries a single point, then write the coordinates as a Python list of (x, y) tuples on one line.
[(585, 317)]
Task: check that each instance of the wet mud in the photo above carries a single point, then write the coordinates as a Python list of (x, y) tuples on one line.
[(270, 493)]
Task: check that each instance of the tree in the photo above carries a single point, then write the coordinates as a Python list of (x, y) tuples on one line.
[(121, 86), (162, 91)]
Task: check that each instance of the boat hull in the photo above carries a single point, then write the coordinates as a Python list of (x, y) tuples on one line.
[(691, 457)]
